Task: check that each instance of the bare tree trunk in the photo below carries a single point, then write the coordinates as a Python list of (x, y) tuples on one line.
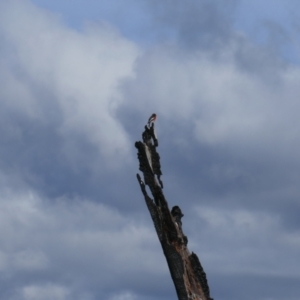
[(186, 271)]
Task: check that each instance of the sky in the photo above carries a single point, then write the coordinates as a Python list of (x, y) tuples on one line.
[(78, 82)]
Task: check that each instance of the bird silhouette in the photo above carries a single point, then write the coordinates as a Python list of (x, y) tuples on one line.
[(151, 119)]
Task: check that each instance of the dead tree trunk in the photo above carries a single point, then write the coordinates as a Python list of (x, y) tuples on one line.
[(186, 271)]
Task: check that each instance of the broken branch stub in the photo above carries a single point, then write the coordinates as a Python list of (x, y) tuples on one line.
[(186, 270)]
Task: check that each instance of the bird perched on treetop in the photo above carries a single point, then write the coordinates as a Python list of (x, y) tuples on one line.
[(151, 119)]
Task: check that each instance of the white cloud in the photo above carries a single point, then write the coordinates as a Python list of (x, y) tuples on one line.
[(88, 243), (78, 82), (123, 296), (238, 221), (78, 71), (47, 292), (221, 101)]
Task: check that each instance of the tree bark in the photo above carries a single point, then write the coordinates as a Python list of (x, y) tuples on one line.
[(186, 270)]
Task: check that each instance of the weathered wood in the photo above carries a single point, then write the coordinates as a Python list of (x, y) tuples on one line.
[(186, 270)]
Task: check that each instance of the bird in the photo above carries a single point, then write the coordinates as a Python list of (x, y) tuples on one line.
[(151, 119)]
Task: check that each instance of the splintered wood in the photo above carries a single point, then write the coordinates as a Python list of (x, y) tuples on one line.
[(185, 268)]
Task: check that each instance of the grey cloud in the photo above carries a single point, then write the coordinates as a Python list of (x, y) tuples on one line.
[(242, 286), (58, 129), (80, 242), (72, 102), (230, 117), (196, 24), (59, 62)]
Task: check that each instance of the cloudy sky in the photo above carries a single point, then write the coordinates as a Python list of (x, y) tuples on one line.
[(78, 81)]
